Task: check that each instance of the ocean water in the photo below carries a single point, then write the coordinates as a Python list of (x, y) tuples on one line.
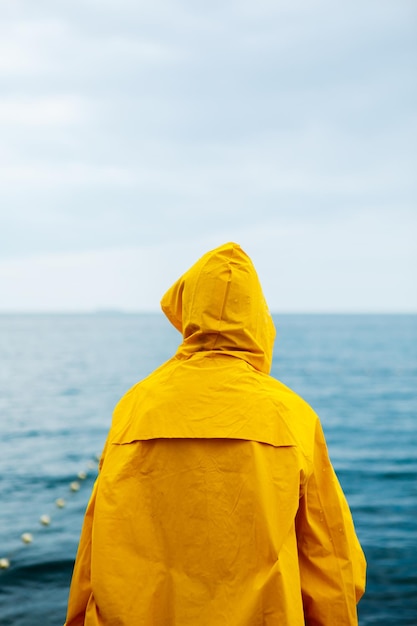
[(61, 375)]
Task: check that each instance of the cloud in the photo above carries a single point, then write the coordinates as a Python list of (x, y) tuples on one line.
[(44, 111), (26, 44), (134, 124), (126, 279), (72, 175), (352, 262), (361, 262)]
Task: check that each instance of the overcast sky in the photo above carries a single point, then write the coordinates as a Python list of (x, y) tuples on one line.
[(136, 135)]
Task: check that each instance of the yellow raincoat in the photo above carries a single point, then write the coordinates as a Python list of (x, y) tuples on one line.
[(216, 503)]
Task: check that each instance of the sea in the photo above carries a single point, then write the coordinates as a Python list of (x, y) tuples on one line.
[(61, 376)]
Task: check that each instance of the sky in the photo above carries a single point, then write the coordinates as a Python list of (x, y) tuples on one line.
[(137, 134)]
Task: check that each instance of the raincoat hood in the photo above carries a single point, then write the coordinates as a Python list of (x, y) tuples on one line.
[(218, 305)]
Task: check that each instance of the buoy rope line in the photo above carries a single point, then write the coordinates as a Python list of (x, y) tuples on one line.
[(46, 519)]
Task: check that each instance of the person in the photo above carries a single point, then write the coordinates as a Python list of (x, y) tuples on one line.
[(216, 503)]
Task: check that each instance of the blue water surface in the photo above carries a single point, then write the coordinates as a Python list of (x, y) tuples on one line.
[(61, 375)]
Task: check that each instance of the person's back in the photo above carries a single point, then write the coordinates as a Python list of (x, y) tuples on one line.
[(216, 502)]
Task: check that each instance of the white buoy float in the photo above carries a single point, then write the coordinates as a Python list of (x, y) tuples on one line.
[(60, 503)]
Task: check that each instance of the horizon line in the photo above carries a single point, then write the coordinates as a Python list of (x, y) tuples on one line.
[(121, 312)]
